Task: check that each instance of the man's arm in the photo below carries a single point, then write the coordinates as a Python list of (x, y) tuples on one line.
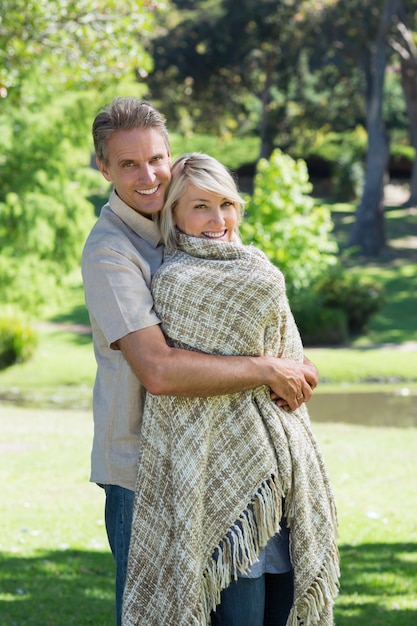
[(170, 371)]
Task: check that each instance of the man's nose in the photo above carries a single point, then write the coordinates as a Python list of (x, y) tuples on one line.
[(146, 173)]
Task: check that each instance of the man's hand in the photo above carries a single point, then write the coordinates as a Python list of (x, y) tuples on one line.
[(294, 383)]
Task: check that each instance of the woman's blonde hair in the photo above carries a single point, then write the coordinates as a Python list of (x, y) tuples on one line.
[(204, 172)]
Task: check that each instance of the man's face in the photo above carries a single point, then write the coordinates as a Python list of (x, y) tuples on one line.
[(138, 165)]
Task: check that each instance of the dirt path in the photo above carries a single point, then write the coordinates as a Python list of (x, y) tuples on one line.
[(81, 329)]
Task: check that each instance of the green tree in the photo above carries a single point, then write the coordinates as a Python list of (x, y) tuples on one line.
[(231, 67), (291, 84), (45, 214), (363, 31), (49, 50), (403, 41), (228, 66), (73, 44)]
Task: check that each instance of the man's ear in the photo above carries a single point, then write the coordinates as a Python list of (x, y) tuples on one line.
[(103, 169)]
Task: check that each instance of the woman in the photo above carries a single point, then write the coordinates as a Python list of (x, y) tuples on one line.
[(218, 477)]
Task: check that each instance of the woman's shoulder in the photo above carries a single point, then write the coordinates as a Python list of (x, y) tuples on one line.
[(262, 258)]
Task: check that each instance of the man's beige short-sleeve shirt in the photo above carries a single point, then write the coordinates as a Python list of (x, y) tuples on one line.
[(120, 256)]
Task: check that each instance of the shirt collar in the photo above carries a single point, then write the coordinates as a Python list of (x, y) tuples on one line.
[(142, 226)]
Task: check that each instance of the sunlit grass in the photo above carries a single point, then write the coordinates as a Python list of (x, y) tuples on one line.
[(355, 366), (373, 475), (55, 565)]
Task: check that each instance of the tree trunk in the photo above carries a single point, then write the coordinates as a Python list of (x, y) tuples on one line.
[(368, 231), (409, 81), (264, 130), (405, 46)]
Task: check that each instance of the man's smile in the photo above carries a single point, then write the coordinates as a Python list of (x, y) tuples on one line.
[(147, 192)]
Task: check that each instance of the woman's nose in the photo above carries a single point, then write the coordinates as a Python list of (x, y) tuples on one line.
[(217, 216)]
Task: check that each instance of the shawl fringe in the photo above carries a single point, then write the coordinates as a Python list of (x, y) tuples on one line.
[(240, 547), (315, 607)]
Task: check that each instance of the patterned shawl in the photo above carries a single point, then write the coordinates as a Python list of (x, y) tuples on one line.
[(216, 474)]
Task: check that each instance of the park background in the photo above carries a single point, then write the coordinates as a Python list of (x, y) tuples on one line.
[(313, 104)]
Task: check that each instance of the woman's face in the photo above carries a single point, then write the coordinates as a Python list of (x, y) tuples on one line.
[(204, 214)]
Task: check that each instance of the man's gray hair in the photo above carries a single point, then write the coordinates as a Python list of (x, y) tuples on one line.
[(125, 113)]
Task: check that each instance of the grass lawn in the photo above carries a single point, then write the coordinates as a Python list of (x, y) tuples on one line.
[(55, 567)]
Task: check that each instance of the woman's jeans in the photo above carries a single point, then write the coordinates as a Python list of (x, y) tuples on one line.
[(263, 601), (118, 517)]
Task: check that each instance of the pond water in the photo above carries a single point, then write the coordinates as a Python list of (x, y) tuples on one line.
[(393, 408), (397, 408)]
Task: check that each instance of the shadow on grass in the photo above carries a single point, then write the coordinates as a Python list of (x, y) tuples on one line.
[(378, 585), (400, 225), (75, 588), (77, 315), (400, 306), (60, 588)]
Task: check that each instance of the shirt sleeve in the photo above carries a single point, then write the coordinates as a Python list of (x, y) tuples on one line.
[(118, 292)]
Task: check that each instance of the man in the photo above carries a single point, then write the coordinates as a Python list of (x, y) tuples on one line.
[(120, 257)]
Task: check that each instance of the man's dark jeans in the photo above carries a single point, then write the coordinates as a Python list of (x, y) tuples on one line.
[(118, 517)]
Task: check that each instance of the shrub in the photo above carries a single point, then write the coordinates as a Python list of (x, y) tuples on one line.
[(284, 222), (359, 296), (337, 307), (318, 325), (328, 328), (282, 219), (18, 342)]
